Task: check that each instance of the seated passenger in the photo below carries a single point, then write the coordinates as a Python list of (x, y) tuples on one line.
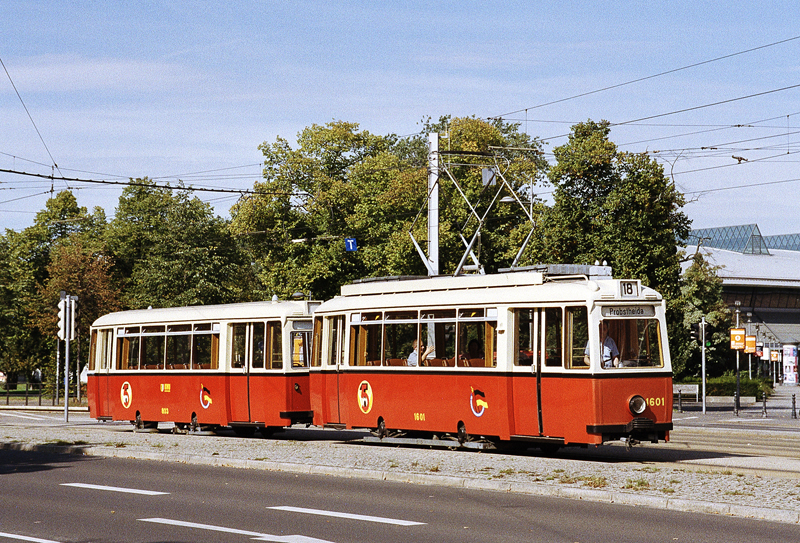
[(414, 358)]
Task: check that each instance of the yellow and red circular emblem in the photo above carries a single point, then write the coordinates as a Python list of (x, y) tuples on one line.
[(365, 397), (126, 394)]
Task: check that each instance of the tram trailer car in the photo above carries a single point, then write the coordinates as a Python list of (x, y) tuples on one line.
[(201, 367), (505, 357)]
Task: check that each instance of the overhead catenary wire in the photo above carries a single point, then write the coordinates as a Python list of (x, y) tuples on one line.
[(30, 117), (640, 79)]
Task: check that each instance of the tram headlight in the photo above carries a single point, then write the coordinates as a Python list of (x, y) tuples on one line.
[(637, 404)]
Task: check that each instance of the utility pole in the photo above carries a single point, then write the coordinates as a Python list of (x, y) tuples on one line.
[(703, 359), (433, 204), (738, 389)]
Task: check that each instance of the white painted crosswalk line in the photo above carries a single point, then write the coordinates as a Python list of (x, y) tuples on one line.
[(116, 489), (350, 516)]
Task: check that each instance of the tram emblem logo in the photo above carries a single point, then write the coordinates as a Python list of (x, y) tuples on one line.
[(126, 394), (365, 397), (477, 402), (205, 397)]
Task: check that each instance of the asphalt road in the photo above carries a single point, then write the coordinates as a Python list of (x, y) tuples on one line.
[(50, 498)]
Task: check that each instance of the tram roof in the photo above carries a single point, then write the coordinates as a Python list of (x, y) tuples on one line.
[(503, 288), (248, 310)]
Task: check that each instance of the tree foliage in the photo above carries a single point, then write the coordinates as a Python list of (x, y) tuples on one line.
[(701, 295), (171, 250), (344, 182)]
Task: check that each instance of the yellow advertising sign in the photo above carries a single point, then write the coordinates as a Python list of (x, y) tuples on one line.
[(737, 338), (750, 344), (773, 355)]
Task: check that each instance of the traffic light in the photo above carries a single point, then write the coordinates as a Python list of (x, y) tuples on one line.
[(62, 318), (694, 331)]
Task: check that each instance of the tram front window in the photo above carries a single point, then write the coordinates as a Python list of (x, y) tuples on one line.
[(637, 342)]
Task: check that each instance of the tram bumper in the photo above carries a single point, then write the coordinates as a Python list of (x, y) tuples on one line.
[(638, 429)]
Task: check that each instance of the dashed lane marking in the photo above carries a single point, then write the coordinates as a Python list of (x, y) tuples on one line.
[(115, 489), (257, 536), (351, 516), (26, 538)]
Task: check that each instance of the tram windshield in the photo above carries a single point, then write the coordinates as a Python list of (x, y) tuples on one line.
[(630, 343)]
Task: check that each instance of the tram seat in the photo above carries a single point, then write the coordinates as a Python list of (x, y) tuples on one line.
[(395, 362), (449, 362), (477, 362)]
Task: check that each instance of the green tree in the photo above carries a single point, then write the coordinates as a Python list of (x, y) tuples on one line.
[(172, 251), (701, 295), (345, 182), (616, 207), (27, 254)]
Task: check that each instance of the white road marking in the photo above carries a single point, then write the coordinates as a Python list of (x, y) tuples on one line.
[(685, 418), (337, 514), (255, 535), (115, 489), (34, 417), (26, 538)]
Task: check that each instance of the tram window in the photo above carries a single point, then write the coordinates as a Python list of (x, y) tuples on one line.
[(179, 351), (397, 342), (442, 336), (299, 349), (578, 336), (258, 345), (475, 340), (365, 348), (439, 314), (93, 351), (638, 342), (128, 353), (316, 359), (205, 351), (238, 345), (401, 316), (470, 313), (335, 340), (524, 337), (371, 317), (274, 332), (553, 338), (106, 348), (153, 348)]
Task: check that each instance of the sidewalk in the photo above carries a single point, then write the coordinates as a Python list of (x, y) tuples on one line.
[(778, 406)]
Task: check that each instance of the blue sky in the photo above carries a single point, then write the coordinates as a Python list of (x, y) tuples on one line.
[(166, 89)]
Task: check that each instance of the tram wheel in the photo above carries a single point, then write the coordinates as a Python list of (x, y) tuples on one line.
[(463, 436), (193, 426), (382, 428)]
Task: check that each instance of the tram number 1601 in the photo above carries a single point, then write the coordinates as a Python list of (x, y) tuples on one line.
[(655, 402)]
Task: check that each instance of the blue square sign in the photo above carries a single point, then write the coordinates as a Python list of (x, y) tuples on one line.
[(350, 244)]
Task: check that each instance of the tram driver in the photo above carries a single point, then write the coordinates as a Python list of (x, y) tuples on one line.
[(609, 354), (414, 358)]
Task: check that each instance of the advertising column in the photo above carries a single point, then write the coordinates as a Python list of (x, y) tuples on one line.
[(790, 365)]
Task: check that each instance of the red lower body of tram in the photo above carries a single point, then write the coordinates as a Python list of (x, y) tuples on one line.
[(567, 410), (196, 400)]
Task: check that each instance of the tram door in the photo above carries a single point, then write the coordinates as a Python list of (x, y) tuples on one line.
[(334, 360), (242, 336)]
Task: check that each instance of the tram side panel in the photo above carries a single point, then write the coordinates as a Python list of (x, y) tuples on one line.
[(426, 400)]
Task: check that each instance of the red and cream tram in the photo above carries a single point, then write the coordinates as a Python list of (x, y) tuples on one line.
[(239, 365), (511, 357)]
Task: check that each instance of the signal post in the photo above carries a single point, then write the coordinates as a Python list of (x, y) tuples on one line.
[(67, 306)]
